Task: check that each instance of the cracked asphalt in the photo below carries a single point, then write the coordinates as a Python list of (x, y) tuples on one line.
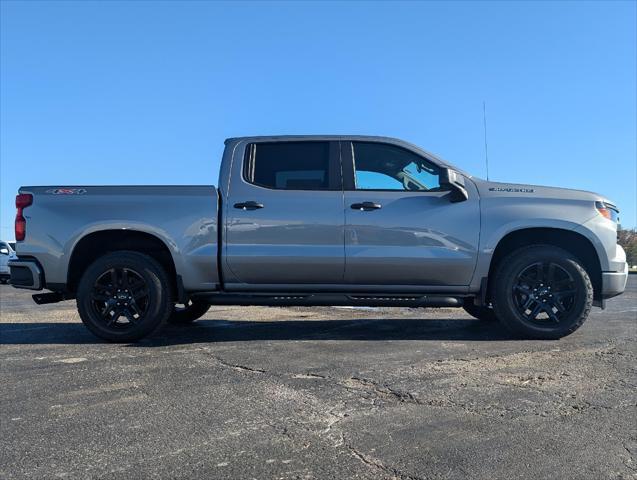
[(317, 393)]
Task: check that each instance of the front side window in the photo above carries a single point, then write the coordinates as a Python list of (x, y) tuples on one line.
[(380, 166), (288, 165)]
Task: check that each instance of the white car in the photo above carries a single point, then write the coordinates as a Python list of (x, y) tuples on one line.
[(6, 254)]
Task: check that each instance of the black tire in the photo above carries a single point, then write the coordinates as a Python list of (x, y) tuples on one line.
[(124, 296), (541, 292), (190, 312), (484, 313)]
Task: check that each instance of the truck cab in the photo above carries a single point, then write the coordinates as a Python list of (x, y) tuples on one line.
[(348, 215)]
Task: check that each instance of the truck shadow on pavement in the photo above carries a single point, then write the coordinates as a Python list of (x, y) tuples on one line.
[(212, 331)]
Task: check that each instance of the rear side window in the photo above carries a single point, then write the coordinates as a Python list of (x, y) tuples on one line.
[(288, 165)]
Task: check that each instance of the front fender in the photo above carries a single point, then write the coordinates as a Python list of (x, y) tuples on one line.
[(491, 239)]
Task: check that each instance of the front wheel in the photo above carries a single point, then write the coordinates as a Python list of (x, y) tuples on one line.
[(124, 296), (542, 292), (189, 312)]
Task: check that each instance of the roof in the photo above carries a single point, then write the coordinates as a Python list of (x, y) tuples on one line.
[(359, 138)]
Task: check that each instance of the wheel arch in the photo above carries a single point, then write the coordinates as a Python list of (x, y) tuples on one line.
[(575, 243), (98, 243)]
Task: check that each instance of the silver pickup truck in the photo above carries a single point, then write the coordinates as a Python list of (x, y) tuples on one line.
[(321, 220)]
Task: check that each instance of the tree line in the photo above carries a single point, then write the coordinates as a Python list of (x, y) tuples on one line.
[(628, 240)]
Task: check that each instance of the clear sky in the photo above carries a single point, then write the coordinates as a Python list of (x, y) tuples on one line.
[(146, 92)]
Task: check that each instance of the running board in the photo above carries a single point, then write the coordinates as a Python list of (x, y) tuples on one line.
[(325, 299)]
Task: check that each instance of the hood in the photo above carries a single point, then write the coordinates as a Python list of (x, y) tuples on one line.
[(520, 190)]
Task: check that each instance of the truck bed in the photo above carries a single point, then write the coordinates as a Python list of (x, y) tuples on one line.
[(184, 218)]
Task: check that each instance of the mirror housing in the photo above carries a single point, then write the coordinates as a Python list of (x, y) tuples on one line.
[(452, 180), (4, 251)]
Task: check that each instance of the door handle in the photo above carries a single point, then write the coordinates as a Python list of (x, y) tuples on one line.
[(366, 206), (248, 205)]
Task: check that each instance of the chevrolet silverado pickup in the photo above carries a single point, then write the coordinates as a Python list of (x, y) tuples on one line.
[(320, 220)]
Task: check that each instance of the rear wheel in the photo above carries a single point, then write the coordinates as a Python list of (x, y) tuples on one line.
[(484, 313), (124, 296), (189, 312), (542, 292)]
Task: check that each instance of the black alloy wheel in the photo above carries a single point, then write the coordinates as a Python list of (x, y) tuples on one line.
[(124, 296), (120, 297), (541, 292), (544, 292)]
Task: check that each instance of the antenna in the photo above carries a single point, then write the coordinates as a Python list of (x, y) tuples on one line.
[(486, 149)]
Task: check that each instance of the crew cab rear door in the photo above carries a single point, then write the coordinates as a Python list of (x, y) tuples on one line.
[(401, 227), (284, 217)]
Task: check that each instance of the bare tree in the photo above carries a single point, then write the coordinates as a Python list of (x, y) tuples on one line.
[(628, 240)]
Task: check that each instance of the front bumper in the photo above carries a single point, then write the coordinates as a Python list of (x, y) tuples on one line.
[(614, 283), (614, 280), (26, 274)]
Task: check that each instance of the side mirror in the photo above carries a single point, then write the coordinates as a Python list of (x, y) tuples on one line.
[(452, 180), (4, 251)]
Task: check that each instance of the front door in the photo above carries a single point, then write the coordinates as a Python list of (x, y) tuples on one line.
[(284, 217), (400, 226)]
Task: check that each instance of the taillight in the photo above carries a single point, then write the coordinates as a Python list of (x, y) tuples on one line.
[(22, 201)]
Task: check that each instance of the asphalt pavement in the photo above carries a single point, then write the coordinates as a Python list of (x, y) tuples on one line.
[(317, 393)]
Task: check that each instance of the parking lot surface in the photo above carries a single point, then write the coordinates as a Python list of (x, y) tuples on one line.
[(317, 393)]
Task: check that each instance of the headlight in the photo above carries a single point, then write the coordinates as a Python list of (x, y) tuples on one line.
[(608, 210)]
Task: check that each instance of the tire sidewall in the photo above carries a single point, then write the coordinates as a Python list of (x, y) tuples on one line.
[(158, 293), (506, 276), (484, 313), (192, 312)]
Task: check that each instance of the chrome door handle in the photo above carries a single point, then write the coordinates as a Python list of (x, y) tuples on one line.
[(248, 205), (366, 206)]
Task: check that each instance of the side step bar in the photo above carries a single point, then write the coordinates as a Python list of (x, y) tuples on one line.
[(330, 299)]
